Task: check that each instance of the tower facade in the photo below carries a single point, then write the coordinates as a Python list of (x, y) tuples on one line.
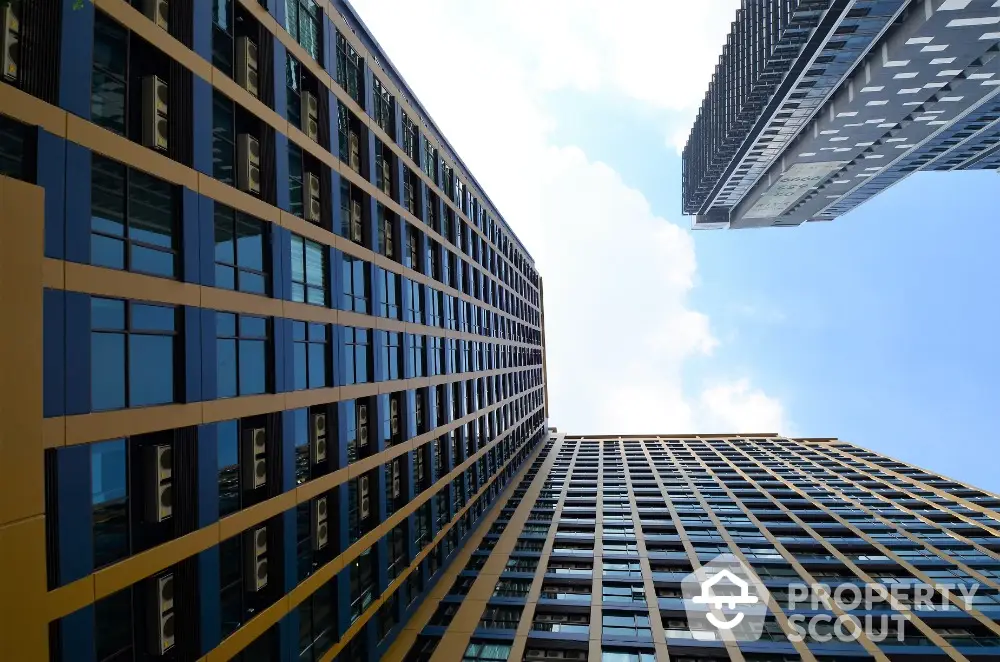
[(272, 352), (817, 105), (588, 557)]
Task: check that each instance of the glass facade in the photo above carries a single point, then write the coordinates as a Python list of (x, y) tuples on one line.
[(588, 558), (818, 105), (236, 419)]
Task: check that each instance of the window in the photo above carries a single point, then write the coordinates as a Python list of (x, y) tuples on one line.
[(240, 251), (228, 457), (362, 577), (619, 655), (480, 652), (418, 354), (389, 306), (293, 82), (350, 68), (430, 163), (241, 354), (392, 355), (222, 35), (302, 23), (310, 355), (384, 108), (308, 271), (386, 234), (133, 220), (109, 80), (14, 146), (415, 300), (113, 627), (317, 623), (223, 139), (357, 355), (355, 281), (231, 581), (109, 501), (295, 194), (623, 593), (396, 545), (626, 624), (410, 137), (132, 354)]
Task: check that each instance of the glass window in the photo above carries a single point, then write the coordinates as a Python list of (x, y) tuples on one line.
[(357, 355), (132, 354), (384, 110), (228, 451), (389, 306), (309, 351), (302, 23), (133, 220), (418, 354), (109, 499), (231, 581), (355, 280), (223, 139), (410, 136), (14, 139), (293, 81), (240, 251), (350, 69), (317, 623), (308, 271), (478, 651), (362, 577), (109, 77), (113, 627), (295, 180), (392, 355), (222, 35), (241, 354)]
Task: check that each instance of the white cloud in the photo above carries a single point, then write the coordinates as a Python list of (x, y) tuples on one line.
[(617, 276)]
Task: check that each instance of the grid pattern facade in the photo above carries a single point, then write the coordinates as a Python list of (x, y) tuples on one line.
[(587, 562), (276, 356), (880, 89)]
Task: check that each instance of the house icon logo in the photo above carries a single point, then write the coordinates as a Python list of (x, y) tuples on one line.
[(724, 599)]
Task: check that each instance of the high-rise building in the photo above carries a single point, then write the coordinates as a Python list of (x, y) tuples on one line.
[(817, 105), (270, 351), (587, 556)]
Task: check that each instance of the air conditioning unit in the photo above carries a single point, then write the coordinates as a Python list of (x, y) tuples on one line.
[(154, 113), (158, 483), (157, 11), (356, 234), (362, 425), (393, 416), (246, 65), (363, 498), (355, 152), (312, 206), (248, 163), (310, 116), (11, 41), (319, 439), (256, 559), (320, 528), (161, 615), (386, 176), (395, 479), (255, 458)]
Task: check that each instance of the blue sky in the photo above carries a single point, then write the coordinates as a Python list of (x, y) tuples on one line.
[(878, 328)]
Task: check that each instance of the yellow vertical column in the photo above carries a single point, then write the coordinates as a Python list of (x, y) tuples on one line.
[(23, 620)]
